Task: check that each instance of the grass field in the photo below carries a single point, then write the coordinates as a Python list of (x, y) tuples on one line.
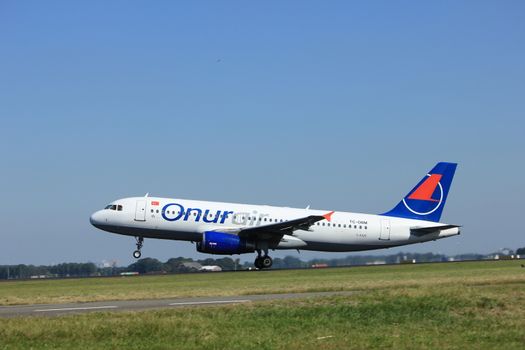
[(478, 305)]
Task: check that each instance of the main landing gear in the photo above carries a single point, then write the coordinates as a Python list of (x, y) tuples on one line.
[(137, 253), (263, 262)]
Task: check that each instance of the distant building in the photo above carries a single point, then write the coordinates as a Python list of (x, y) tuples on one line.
[(376, 262), (191, 265), (319, 266), (131, 273), (211, 268), (408, 261)]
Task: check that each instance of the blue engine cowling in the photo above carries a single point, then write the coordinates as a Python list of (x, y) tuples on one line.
[(224, 243)]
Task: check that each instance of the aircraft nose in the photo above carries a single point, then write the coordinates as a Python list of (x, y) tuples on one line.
[(97, 218)]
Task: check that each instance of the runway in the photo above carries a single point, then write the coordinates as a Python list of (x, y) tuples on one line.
[(137, 305)]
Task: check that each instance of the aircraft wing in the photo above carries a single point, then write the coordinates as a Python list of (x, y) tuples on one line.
[(421, 231), (279, 229)]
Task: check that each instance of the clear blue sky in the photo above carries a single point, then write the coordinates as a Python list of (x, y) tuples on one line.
[(338, 105)]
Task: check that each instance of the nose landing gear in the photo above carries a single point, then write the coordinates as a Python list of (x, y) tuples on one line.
[(137, 253)]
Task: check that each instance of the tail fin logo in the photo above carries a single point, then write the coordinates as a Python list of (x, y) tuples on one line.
[(426, 200), (424, 196)]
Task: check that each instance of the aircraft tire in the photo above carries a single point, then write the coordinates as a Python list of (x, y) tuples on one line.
[(266, 262), (258, 263)]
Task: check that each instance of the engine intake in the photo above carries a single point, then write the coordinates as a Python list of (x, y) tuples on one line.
[(224, 243)]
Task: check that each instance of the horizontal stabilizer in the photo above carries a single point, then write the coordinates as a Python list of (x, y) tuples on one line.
[(421, 231)]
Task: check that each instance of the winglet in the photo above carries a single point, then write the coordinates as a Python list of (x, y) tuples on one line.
[(328, 216)]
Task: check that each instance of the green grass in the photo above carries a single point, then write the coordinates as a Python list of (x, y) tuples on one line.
[(450, 306), (256, 282)]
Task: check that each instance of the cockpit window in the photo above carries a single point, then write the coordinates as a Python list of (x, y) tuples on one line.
[(114, 207)]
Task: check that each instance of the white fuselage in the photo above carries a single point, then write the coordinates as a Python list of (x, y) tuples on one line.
[(187, 220)]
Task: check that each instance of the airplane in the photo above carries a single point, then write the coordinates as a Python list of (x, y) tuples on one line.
[(229, 228)]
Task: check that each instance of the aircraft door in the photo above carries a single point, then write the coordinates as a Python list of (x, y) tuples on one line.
[(140, 211), (385, 230)]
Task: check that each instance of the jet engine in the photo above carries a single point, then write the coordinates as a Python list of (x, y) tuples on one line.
[(224, 243)]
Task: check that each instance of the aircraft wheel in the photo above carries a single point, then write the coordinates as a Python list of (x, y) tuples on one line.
[(136, 254), (258, 263), (266, 262)]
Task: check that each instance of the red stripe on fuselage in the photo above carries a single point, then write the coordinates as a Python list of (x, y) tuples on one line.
[(426, 189)]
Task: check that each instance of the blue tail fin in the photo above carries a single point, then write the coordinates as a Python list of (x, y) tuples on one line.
[(427, 199)]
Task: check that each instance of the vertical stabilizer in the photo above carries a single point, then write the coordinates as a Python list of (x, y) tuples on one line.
[(427, 199)]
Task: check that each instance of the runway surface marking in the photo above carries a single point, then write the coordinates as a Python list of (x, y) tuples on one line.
[(77, 308), (152, 304), (210, 302)]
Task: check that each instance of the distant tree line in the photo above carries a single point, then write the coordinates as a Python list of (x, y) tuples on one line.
[(60, 270), (180, 265), (185, 265)]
